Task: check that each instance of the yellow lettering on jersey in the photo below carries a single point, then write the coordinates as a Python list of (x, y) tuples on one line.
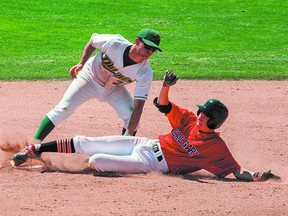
[(108, 64)]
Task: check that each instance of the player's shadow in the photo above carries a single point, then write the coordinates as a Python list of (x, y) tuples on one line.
[(206, 179), (110, 174), (201, 178), (89, 171), (189, 176)]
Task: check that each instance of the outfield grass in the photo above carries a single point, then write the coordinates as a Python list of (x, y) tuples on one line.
[(201, 39)]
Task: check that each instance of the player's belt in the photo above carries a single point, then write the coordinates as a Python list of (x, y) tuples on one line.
[(156, 149)]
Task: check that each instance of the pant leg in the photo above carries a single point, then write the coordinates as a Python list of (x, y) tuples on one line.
[(80, 90), (114, 145), (113, 163)]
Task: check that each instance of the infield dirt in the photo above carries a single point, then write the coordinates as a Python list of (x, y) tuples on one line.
[(256, 132)]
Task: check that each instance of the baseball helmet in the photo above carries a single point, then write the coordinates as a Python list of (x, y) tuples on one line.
[(216, 111)]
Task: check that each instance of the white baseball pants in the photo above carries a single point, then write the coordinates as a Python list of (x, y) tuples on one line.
[(122, 154)]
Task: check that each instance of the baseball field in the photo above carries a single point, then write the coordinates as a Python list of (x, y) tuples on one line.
[(235, 51)]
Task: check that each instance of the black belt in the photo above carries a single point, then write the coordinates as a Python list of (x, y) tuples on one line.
[(156, 149)]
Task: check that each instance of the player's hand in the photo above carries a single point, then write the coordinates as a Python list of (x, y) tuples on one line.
[(170, 78), (75, 69), (264, 176)]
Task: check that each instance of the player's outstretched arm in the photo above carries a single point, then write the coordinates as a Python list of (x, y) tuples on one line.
[(87, 53), (135, 116), (169, 79), (246, 175)]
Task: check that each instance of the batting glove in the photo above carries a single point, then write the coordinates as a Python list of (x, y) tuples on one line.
[(170, 78), (264, 176)]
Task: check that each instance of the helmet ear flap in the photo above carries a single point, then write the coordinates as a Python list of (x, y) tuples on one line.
[(211, 124)]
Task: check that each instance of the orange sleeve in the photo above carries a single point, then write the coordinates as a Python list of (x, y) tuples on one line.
[(177, 116)]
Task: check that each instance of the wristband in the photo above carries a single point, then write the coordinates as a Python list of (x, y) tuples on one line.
[(165, 84)]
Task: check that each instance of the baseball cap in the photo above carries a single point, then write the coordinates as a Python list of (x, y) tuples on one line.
[(150, 37)]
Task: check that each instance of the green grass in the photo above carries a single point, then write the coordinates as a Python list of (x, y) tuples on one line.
[(204, 39)]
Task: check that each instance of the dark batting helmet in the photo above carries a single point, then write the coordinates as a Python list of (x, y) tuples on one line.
[(216, 111)]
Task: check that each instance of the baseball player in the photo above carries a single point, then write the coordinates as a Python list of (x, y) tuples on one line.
[(104, 76), (193, 144)]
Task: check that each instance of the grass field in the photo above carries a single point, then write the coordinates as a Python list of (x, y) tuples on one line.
[(204, 39)]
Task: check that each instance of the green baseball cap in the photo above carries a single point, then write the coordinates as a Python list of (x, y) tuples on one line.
[(150, 37)]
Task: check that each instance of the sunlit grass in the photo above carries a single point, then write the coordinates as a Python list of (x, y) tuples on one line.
[(201, 39)]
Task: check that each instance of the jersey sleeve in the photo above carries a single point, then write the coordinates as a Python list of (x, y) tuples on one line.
[(178, 116), (222, 163), (143, 85), (100, 41)]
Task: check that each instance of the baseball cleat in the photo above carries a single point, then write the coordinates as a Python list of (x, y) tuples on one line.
[(22, 156)]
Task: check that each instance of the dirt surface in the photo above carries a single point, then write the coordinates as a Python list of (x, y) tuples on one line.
[(256, 132)]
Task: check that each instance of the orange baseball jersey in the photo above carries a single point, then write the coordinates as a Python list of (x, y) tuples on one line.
[(187, 152)]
